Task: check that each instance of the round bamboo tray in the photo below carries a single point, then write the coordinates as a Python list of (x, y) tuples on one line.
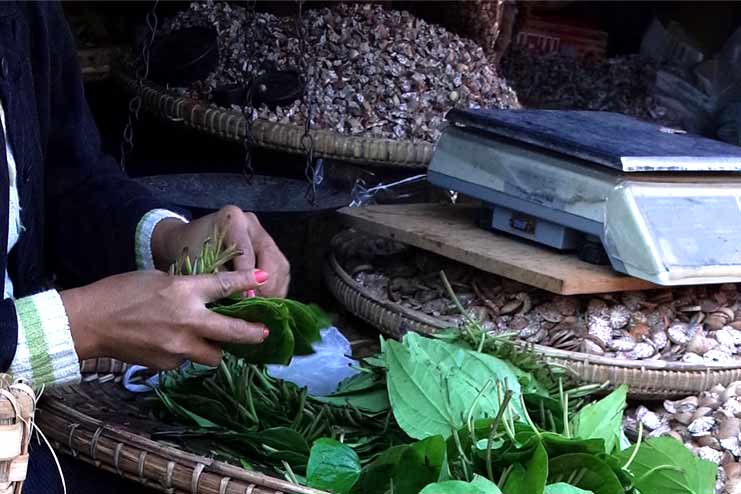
[(101, 423), (230, 125), (648, 380)]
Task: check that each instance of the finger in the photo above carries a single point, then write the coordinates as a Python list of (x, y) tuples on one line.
[(246, 234), (207, 354), (238, 226), (224, 329), (269, 258), (211, 287), (273, 262)]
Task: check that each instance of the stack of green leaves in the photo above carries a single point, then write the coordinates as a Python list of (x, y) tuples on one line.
[(485, 427), (293, 326), (456, 415)]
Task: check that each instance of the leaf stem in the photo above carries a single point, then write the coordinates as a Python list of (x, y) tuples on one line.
[(290, 476), (228, 376), (465, 462), (458, 305), (494, 428), (485, 389), (637, 447), (527, 417), (504, 476), (657, 469), (480, 348)]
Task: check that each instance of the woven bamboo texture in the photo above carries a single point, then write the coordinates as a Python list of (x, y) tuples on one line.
[(652, 379), (230, 125), (101, 423), (17, 410)]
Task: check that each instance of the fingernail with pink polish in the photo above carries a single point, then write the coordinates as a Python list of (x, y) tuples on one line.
[(261, 276), (250, 294), (265, 334)]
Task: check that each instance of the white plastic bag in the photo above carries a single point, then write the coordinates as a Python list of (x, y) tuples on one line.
[(322, 371)]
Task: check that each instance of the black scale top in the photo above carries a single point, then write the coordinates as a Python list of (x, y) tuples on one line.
[(609, 139)]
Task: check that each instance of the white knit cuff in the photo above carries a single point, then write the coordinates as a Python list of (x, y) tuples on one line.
[(144, 232), (45, 353)]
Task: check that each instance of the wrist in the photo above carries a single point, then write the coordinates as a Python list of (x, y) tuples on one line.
[(87, 344), (167, 242)]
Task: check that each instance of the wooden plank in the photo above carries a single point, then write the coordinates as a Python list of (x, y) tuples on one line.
[(451, 231)]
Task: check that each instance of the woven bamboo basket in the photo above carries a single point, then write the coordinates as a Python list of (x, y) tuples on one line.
[(17, 410), (230, 125), (101, 423), (648, 380)]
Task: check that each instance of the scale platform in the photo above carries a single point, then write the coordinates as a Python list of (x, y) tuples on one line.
[(452, 232), (654, 203)]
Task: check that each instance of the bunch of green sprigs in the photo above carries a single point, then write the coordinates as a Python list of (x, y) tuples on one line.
[(293, 326)]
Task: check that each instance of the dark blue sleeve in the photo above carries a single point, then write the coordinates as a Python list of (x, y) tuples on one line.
[(9, 332), (92, 208)]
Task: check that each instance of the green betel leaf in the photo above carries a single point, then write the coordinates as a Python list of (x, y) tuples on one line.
[(376, 476), (420, 464), (332, 466), (306, 325), (536, 473), (371, 401), (664, 465), (602, 419), (563, 488), (322, 318), (515, 483), (529, 476), (485, 485), (365, 391), (184, 413), (417, 395), (283, 438), (479, 485), (434, 386), (278, 347), (557, 445), (586, 472)]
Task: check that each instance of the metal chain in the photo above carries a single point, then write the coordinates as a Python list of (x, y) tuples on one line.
[(307, 140), (249, 77), (142, 72)]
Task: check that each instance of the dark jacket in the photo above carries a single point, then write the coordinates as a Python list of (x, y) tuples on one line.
[(79, 210)]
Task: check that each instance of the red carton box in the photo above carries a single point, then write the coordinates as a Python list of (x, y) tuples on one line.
[(551, 35)]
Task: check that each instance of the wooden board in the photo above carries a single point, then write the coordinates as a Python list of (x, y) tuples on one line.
[(451, 231)]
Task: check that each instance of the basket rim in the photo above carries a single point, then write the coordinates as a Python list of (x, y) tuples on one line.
[(230, 124), (52, 404), (581, 357)]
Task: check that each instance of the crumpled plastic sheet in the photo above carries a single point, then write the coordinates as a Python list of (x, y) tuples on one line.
[(320, 372)]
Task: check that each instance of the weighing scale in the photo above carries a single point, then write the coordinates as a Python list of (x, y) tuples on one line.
[(656, 203)]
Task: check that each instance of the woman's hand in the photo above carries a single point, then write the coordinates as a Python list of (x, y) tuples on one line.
[(157, 320), (259, 250)]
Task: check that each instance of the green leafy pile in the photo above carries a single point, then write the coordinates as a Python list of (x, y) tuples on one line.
[(427, 416), (486, 426), (465, 414), (293, 326)]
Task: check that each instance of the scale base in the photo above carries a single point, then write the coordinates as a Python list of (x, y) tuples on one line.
[(588, 248)]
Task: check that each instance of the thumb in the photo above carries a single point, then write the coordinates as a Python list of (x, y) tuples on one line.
[(212, 287)]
